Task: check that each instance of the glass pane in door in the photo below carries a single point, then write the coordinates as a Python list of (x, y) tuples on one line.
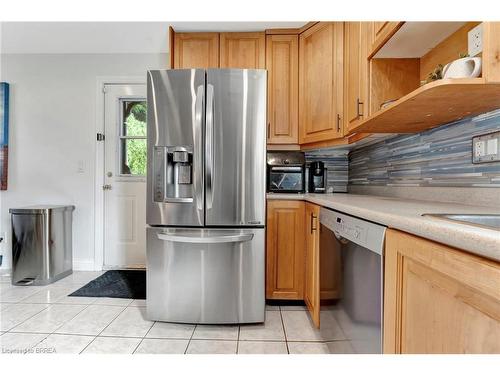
[(133, 157), (134, 118), (133, 148)]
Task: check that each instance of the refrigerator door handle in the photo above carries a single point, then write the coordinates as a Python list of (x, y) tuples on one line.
[(172, 237), (198, 147), (209, 145)]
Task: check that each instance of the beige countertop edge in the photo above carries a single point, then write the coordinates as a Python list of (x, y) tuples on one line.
[(405, 215)]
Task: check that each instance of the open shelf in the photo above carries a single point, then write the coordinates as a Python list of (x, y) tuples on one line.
[(403, 63), (433, 104), (416, 39)]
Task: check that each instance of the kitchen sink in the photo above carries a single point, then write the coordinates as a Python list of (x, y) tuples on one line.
[(489, 221)]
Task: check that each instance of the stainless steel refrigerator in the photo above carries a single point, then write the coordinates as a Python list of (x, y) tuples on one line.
[(206, 195)]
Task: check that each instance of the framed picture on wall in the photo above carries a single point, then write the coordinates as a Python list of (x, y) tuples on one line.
[(4, 133)]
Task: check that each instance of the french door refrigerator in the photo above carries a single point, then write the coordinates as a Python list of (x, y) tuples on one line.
[(206, 195)]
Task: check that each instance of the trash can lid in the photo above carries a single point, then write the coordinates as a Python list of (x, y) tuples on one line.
[(40, 209)]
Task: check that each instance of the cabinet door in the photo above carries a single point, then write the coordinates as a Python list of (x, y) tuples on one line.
[(320, 82), (379, 27), (312, 271), (285, 250), (439, 299), (282, 61), (356, 44), (243, 50), (196, 50)]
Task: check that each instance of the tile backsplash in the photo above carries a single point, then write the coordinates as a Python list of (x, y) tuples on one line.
[(440, 157), (437, 157), (336, 163)]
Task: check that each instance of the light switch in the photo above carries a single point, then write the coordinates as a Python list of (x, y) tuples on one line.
[(492, 146)]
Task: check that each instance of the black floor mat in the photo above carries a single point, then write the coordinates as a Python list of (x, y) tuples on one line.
[(116, 284)]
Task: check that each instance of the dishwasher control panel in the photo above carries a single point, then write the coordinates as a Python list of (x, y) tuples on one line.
[(350, 229), (361, 232)]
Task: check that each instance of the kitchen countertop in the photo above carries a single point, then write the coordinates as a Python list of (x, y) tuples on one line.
[(406, 215)]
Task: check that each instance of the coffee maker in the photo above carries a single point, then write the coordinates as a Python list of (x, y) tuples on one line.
[(317, 177)]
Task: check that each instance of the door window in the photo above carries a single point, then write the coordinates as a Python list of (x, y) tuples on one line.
[(133, 146)]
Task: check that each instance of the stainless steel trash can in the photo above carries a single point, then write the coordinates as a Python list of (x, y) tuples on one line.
[(41, 244)]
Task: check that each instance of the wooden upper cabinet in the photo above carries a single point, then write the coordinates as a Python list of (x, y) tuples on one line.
[(382, 31), (285, 250), (438, 299), (282, 63), (491, 52), (357, 38), (321, 82), (379, 28), (196, 50), (243, 50), (312, 262)]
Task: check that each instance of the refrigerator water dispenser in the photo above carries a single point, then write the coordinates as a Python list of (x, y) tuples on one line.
[(173, 174)]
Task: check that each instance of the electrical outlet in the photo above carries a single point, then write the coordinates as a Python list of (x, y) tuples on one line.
[(475, 40), (479, 149), (486, 148)]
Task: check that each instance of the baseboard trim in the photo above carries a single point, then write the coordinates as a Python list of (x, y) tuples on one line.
[(78, 265), (84, 265)]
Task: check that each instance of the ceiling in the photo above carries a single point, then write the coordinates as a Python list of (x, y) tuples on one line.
[(109, 37)]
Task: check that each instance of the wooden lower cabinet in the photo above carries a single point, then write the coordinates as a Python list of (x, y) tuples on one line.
[(285, 250), (439, 299), (312, 269), (297, 267)]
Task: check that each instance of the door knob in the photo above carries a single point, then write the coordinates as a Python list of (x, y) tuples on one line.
[(109, 174)]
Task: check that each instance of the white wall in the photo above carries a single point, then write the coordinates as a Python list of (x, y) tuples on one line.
[(52, 127)]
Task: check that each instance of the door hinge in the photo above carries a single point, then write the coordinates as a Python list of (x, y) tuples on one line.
[(100, 137)]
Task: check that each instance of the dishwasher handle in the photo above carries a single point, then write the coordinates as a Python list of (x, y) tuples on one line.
[(342, 240)]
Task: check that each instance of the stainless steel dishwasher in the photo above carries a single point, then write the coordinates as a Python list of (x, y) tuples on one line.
[(359, 309)]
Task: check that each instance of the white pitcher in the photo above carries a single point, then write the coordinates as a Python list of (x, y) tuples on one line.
[(466, 67)]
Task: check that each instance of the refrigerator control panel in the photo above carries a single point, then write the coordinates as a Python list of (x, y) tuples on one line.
[(159, 173)]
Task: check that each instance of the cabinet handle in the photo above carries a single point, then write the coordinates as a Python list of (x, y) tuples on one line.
[(358, 104), (313, 228), (268, 130), (338, 123)]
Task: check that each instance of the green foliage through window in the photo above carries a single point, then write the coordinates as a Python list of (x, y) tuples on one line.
[(134, 147)]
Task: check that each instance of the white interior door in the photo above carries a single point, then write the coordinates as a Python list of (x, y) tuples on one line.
[(125, 175)]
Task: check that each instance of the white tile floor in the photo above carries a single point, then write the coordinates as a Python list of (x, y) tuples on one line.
[(45, 320)]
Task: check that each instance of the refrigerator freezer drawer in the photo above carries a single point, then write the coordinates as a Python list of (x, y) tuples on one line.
[(207, 276)]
